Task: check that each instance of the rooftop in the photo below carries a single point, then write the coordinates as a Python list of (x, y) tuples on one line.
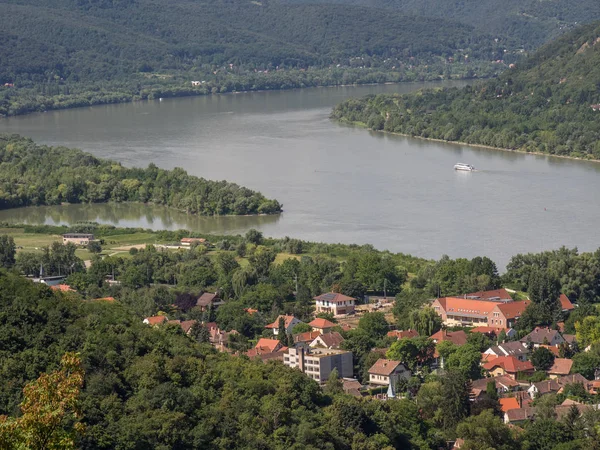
[(384, 367), (513, 310), (561, 366), (286, 319), (321, 323), (494, 295), (398, 334), (456, 337), (333, 297), (507, 404), (509, 364)]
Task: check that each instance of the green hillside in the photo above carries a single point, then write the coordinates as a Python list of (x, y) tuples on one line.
[(530, 23), (542, 105), (74, 52)]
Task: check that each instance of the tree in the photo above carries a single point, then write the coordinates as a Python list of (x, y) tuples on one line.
[(334, 385), (374, 323), (200, 333), (455, 402), (486, 431), (542, 358), (301, 328), (412, 352), (94, 247), (543, 434), (281, 331), (479, 341), (254, 237), (586, 363), (544, 290), (426, 321), (51, 414), (466, 360), (7, 251)]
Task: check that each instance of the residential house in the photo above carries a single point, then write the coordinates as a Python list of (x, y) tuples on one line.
[(155, 320), (519, 416), (185, 325), (544, 336), (508, 365), (352, 386), (507, 314), (456, 337), (386, 372), (399, 334), (511, 348), (508, 403), (263, 346), (207, 300), (306, 338), (565, 303), (555, 385), (334, 303), (504, 384), (318, 363), (322, 325), (77, 238), (289, 323), (328, 340)]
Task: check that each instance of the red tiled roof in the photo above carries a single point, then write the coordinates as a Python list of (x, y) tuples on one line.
[(156, 320), (211, 325), (507, 404), (309, 336), (384, 367), (510, 364), (403, 334), (457, 305), (206, 299), (561, 366), (186, 325), (456, 337), (333, 297), (62, 288), (520, 414), (270, 344), (565, 303), (105, 299), (488, 330), (251, 311), (287, 321), (554, 350), (513, 310), (321, 323)]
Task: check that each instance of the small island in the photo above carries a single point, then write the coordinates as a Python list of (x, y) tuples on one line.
[(36, 175)]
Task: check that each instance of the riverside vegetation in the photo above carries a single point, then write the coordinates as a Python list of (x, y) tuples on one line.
[(112, 51), (547, 104), (123, 385), (32, 174)]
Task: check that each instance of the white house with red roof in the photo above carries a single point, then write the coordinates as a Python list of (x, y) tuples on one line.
[(322, 325), (289, 323)]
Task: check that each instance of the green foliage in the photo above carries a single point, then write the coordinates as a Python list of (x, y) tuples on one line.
[(466, 360), (301, 328), (455, 403), (542, 105), (426, 321), (586, 363), (486, 431), (542, 358), (57, 259), (374, 324), (7, 251), (53, 175), (94, 247), (413, 352)]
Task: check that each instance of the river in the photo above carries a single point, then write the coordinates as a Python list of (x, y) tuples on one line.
[(336, 183)]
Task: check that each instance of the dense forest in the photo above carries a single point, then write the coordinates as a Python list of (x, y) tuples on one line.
[(32, 174), (530, 23), (547, 103), (77, 53), (121, 384)]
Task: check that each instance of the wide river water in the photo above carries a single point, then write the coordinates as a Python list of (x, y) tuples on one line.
[(337, 183)]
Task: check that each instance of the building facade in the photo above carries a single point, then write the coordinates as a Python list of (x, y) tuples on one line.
[(77, 238), (334, 303), (318, 363)]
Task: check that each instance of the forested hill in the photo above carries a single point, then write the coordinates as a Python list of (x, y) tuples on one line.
[(31, 174), (547, 104), (67, 53), (530, 23)]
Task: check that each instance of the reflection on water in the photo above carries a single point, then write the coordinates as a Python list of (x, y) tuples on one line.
[(134, 215)]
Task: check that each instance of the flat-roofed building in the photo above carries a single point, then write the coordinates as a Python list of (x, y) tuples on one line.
[(318, 363), (77, 238)]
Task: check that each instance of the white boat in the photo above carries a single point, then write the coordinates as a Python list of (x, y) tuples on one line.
[(466, 167)]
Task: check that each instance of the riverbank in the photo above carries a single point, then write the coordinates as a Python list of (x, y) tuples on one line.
[(489, 147)]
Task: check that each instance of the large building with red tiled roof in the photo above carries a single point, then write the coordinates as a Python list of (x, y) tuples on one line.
[(334, 303), (456, 311), (506, 314), (456, 337), (496, 295)]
